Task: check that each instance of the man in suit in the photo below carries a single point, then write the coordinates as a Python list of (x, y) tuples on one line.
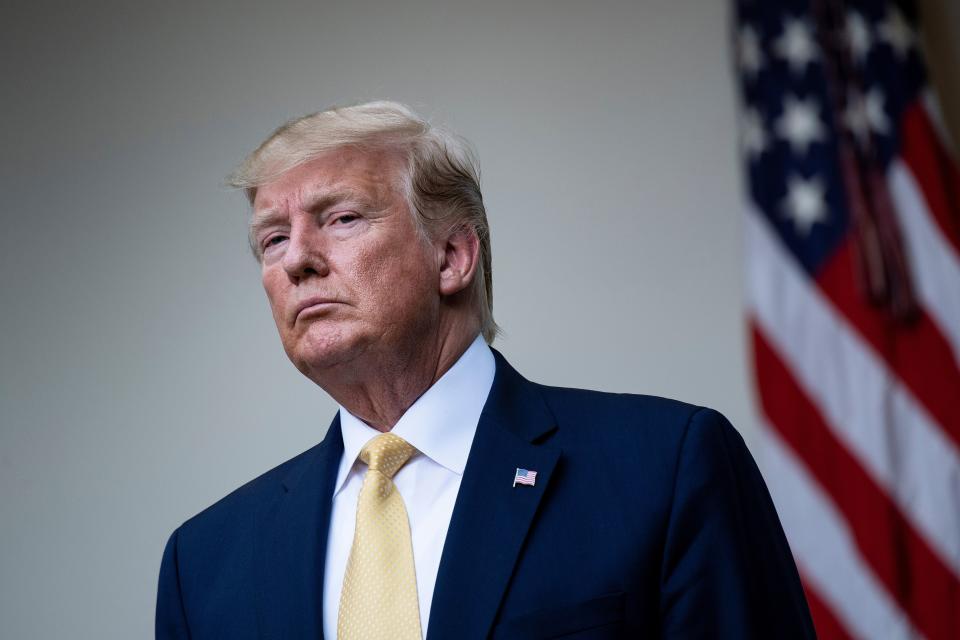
[(452, 498)]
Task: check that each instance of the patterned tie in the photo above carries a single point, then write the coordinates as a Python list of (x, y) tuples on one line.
[(379, 597)]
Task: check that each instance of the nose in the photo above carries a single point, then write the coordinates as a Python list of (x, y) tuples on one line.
[(305, 254)]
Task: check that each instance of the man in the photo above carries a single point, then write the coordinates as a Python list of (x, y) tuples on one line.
[(452, 498)]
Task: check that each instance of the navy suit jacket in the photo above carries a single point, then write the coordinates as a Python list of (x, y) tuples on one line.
[(648, 518)]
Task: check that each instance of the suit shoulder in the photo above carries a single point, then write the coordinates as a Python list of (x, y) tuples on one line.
[(621, 408), (247, 498), (587, 415)]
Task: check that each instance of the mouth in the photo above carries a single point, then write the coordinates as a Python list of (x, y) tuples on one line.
[(314, 306)]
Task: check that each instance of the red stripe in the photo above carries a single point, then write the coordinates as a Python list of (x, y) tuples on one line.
[(825, 623), (933, 169), (918, 353), (901, 559)]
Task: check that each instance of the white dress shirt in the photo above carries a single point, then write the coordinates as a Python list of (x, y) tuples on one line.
[(440, 425)]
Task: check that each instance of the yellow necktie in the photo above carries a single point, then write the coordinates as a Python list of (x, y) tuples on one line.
[(379, 597)]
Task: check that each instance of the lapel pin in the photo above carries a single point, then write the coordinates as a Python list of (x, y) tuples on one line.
[(525, 476)]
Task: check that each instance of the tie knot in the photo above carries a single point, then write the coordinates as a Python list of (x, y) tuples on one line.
[(386, 453)]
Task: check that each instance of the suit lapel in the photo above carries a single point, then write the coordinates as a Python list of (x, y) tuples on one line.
[(491, 517), (291, 543)]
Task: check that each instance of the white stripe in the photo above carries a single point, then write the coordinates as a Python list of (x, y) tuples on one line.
[(932, 106), (865, 405), (933, 261), (824, 548)]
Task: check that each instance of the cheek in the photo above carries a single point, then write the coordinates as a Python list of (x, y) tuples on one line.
[(398, 274), (276, 292)]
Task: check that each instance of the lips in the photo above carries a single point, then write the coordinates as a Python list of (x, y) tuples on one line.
[(309, 305)]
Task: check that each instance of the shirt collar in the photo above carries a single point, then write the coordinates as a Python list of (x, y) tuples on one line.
[(441, 423)]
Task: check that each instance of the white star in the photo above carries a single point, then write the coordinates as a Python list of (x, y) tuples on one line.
[(858, 35), (855, 117), (805, 203), (897, 32), (750, 55), (875, 113), (800, 123), (796, 44), (864, 115), (753, 136)]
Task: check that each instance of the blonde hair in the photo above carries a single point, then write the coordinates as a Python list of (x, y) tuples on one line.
[(442, 181)]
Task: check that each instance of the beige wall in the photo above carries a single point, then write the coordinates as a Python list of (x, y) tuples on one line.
[(941, 23)]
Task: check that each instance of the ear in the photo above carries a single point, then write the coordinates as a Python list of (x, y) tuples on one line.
[(458, 266)]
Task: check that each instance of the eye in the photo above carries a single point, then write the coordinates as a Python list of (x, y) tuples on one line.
[(346, 218), (273, 241)]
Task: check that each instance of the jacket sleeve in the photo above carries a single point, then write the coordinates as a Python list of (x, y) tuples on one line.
[(171, 621), (727, 569)]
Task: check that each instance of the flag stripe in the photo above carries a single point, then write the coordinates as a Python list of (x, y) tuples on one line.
[(826, 554), (933, 261), (826, 624), (939, 179), (913, 460), (919, 354), (931, 107), (899, 557)]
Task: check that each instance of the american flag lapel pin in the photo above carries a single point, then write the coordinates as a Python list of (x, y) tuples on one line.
[(525, 476)]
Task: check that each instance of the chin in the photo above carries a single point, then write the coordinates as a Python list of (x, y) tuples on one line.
[(320, 349)]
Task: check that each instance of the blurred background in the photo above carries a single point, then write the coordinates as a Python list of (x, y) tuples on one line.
[(142, 377)]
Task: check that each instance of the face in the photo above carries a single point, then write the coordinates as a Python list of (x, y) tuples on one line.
[(346, 271)]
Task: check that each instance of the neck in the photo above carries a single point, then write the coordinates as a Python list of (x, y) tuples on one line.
[(380, 390)]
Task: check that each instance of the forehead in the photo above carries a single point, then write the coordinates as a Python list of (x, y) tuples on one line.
[(374, 175)]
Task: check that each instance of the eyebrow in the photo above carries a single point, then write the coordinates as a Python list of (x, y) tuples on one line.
[(315, 203), (318, 202), (258, 223)]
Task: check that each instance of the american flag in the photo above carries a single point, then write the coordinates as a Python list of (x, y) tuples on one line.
[(525, 476), (853, 293)]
